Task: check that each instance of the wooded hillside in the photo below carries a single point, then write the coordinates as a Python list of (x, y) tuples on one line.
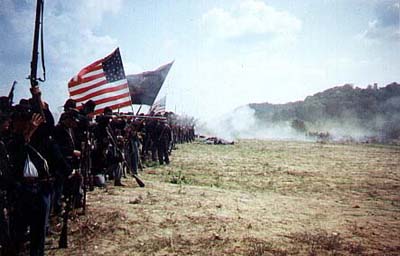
[(375, 110)]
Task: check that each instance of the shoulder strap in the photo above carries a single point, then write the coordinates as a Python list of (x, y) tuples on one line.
[(45, 165)]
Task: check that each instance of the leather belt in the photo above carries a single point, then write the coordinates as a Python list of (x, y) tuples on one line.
[(32, 180)]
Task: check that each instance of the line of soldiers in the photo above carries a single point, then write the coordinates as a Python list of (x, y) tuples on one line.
[(47, 168)]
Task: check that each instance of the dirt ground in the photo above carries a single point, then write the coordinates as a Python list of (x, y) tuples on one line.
[(251, 198)]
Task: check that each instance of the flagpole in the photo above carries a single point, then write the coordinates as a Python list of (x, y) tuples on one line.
[(137, 113)]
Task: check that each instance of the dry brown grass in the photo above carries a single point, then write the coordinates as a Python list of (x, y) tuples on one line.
[(251, 198)]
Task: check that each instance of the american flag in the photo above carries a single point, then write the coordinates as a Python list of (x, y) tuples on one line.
[(159, 106), (104, 82)]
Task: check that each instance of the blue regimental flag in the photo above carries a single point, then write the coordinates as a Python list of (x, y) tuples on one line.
[(144, 87)]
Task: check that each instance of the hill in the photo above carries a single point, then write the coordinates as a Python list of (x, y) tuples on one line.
[(345, 110)]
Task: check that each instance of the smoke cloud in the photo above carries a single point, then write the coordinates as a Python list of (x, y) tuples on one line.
[(242, 123)]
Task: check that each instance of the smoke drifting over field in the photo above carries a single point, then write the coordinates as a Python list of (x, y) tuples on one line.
[(342, 113), (242, 123)]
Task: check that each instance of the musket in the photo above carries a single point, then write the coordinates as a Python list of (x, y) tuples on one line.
[(34, 80), (63, 242), (11, 94), (143, 117), (138, 180), (71, 186), (85, 166), (5, 235)]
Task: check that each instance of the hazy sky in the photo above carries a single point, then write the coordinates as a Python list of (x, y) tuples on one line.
[(227, 52)]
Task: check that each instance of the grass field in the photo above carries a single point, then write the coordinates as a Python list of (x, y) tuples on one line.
[(251, 198)]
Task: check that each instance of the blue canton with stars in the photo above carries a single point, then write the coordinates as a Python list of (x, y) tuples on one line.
[(113, 68)]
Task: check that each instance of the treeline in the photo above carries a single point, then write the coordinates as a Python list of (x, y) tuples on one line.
[(374, 110)]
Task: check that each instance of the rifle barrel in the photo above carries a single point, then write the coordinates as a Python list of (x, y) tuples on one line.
[(143, 117), (35, 52), (33, 75)]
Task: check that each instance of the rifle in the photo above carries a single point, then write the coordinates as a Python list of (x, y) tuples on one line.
[(85, 166), (63, 242), (71, 186), (11, 94), (142, 117), (5, 236), (138, 180), (5, 203), (36, 96)]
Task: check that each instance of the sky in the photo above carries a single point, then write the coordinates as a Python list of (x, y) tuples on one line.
[(227, 53)]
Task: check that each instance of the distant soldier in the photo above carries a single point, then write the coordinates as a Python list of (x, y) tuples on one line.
[(83, 130), (99, 154), (107, 156), (151, 138), (163, 131), (132, 145)]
